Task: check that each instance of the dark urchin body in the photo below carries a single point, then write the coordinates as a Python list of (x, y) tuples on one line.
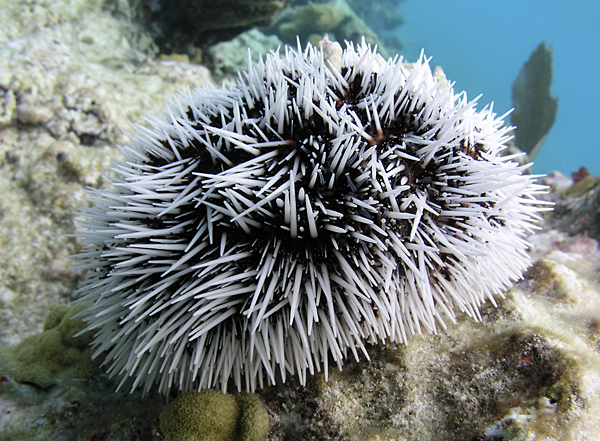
[(268, 228)]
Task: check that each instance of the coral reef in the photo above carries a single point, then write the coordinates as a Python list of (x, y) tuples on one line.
[(76, 410), (311, 21), (209, 415), (543, 335), (314, 18), (181, 26), (69, 81), (229, 57), (576, 210)]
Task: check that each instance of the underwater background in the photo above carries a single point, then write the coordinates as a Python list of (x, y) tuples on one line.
[(76, 74), (482, 45)]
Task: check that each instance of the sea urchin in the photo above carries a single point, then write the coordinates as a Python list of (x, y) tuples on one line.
[(256, 231)]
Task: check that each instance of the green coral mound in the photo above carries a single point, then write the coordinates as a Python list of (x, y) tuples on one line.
[(54, 355), (210, 415)]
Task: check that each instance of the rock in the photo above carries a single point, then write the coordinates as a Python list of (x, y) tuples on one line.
[(577, 209), (229, 57), (182, 25), (70, 81), (312, 21), (314, 18), (76, 410)]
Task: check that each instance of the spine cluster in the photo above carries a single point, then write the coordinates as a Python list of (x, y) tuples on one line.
[(273, 227)]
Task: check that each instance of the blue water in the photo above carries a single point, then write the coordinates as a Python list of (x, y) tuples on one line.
[(482, 45)]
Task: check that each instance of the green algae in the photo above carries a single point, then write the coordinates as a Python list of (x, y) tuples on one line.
[(56, 354), (210, 415)]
